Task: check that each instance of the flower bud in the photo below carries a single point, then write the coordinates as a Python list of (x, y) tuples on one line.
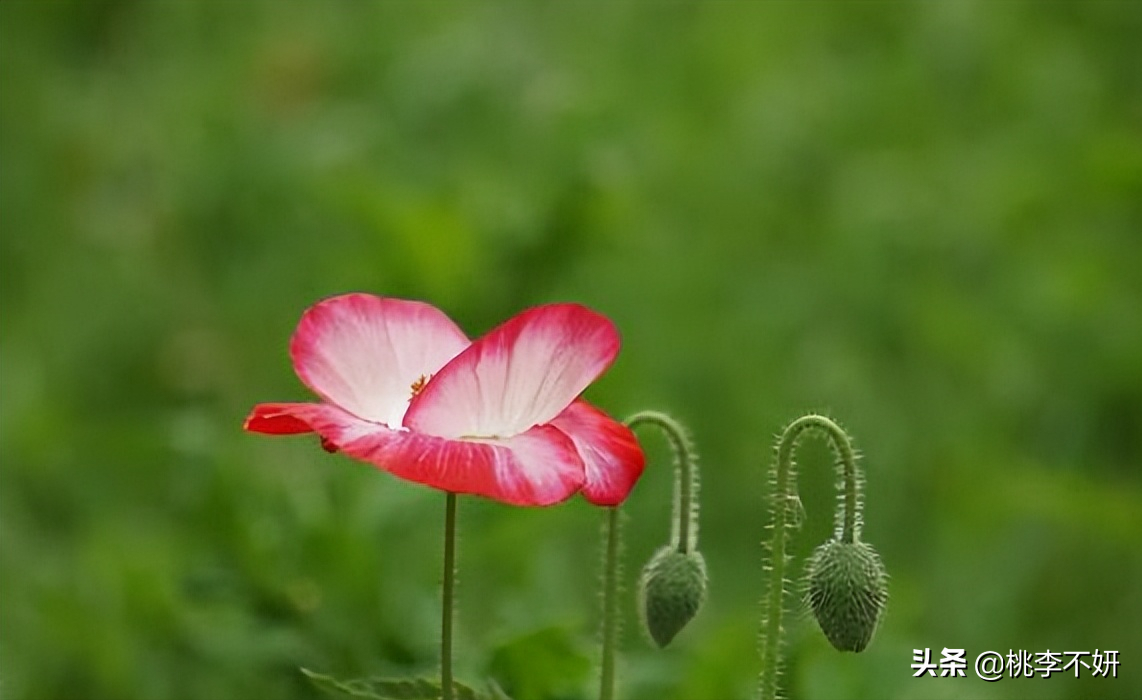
[(847, 592), (672, 589)]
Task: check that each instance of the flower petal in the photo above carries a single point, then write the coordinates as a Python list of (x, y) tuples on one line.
[(521, 374), (333, 424), (363, 353), (612, 457), (538, 468), (276, 419)]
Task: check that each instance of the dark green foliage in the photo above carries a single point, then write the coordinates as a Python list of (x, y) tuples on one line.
[(547, 663)]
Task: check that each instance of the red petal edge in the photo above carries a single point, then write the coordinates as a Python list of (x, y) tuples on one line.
[(276, 419), (612, 457), (539, 467)]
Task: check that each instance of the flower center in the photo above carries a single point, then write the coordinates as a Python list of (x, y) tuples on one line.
[(418, 386)]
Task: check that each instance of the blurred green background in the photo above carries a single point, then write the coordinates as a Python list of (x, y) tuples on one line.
[(924, 219)]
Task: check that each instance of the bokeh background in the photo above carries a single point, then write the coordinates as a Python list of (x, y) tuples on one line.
[(922, 218)]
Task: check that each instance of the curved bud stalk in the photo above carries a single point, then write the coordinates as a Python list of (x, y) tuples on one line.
[(847, 587), (673, 583), (684, 514), (672, 587)]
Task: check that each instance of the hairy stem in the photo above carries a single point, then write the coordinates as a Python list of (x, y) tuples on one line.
[(613, 534), (684, 535), (848, 515), (449, 589), (684, 531), (783, 501)]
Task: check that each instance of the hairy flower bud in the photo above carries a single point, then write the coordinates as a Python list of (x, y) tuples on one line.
[(847, 592), (672, 589)]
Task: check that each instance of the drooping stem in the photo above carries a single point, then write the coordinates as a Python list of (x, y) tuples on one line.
[(449, 589), (684, 528), (785, 501), (612, 534), (684, 535)]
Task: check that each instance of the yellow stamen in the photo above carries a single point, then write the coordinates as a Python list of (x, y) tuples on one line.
[(418, 385)]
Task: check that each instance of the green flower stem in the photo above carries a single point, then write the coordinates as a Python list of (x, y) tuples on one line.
[(684, 535), (613, 533), (449, 588), (784, 501), (848, 515), (684, 532)]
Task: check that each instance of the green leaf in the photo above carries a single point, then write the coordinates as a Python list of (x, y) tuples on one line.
[(331, 685), (543, 664), (398, 688), (495, 692)]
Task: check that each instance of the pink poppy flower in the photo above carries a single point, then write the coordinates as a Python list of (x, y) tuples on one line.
[(403, 389)]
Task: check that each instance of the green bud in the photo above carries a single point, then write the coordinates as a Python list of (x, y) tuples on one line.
[(672, 589), (847, 592)]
